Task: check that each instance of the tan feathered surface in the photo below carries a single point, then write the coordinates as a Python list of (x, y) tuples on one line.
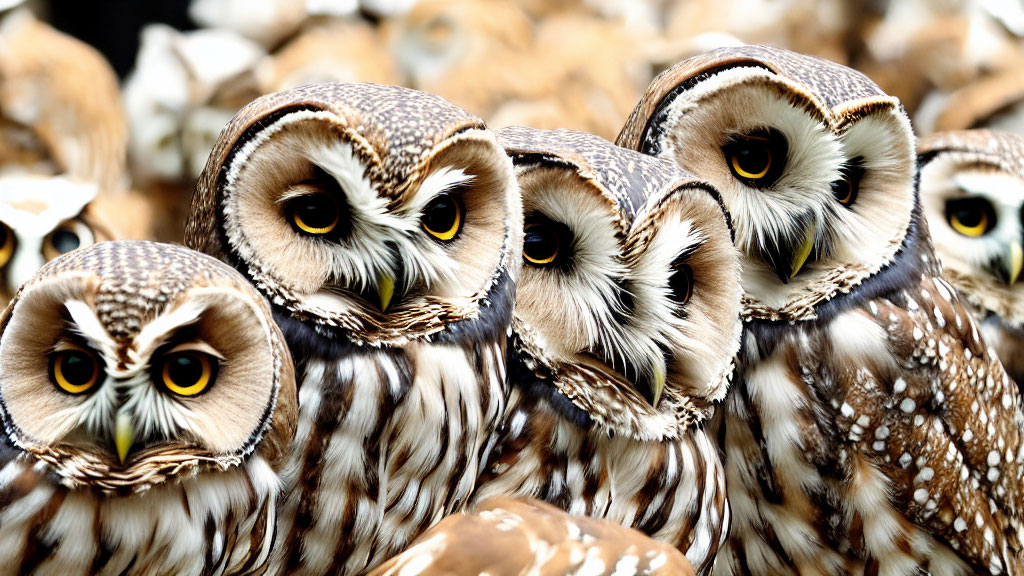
[(510, 537)]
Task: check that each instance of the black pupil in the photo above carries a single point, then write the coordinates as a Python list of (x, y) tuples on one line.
[(681, 283), (540, 243), (185, 370), (841, 188), (4, 236), (65, 241), (754, 157), (316, 211), (77, 368), (440, 214), (969, 217)]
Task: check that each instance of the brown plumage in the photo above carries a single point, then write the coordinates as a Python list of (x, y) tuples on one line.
[(623, 339), (510, 537), (870, 429), (65, 95), (395, 297), (117, 456)]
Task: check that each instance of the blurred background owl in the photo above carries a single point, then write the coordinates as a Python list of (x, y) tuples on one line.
[(148, 399), (62, 149), (972, 192)]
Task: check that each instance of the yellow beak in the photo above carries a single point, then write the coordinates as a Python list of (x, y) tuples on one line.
[(385, 289), (124, 436), (658, 386), (1013, 259), (800, 256)]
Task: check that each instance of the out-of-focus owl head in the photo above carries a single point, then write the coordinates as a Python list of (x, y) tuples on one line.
[(377, 212), (41, 218), (127, 364), (814, 162), (629, 302), (184, 88), (972, 192)]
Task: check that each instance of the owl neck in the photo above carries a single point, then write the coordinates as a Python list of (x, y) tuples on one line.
[(536, 384), (914, 257), (490, 323)]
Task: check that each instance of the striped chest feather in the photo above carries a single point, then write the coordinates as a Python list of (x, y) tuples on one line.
[(673, 491), (388, 443), (214, 523)]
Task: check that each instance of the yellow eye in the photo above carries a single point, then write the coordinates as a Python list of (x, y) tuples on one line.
[(188, 373), (757, 158), (6, 245), (541, 244), (314, 214), (74, 370), (442, 218), (972, 217), (681, 283)]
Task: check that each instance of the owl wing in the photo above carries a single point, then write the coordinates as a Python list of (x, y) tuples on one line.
[(938, 416), (506, 537)]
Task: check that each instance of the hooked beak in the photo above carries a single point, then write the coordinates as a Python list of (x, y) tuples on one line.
[(124, 435), (788, 260), (1011, 262), (658, 385), (385, 289)]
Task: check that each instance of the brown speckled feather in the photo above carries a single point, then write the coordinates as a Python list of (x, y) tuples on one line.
[(825, 82)]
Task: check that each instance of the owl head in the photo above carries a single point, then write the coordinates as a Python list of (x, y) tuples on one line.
[(40, 219), (184, 88), (813, 161), (128, 364), (629, 303), (972, 193), (375, 213)]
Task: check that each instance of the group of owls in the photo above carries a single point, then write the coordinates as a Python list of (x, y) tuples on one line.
[(399, 342)]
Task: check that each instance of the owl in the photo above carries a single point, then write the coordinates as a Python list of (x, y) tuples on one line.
[(972, 186), (40, 219), (148, 399), (60, 106), (510, 537), (869, 428), (626, 322), (184, 88), (385, 226)]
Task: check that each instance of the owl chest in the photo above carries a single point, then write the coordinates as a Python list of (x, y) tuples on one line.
[(673, 491), (387, 444), (783, 465), (201, 525)]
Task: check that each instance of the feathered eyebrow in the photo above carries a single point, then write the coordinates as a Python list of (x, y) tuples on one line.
[(444, 180), (689, 250)]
